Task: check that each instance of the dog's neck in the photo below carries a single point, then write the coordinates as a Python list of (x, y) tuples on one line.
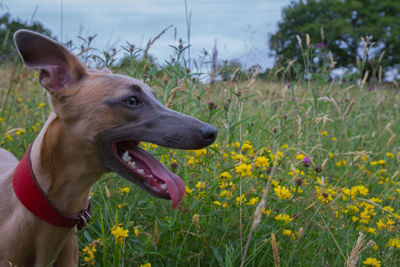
[(66, 168)]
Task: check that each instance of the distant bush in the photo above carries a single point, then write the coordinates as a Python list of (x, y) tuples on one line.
[(8, 26)]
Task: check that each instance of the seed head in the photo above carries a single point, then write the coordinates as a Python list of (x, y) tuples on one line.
[(212, 106), (318, 168), (174, 166), (298, 182)]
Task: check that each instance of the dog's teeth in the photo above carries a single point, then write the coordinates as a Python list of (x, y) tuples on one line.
[(126, 156), (132, 164), (141, 171), (163, 186), (149, 176)]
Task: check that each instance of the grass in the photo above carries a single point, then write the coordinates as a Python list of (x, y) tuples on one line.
[(321, 158)]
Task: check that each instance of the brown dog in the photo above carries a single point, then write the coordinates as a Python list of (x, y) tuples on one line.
[(97, 122)]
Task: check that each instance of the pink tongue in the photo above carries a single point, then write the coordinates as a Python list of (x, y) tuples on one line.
[(175, 185)]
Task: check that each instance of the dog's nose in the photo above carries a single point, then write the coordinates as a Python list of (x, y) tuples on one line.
[(209, 133)]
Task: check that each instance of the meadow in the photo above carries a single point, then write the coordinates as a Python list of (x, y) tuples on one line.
[(302, 173)]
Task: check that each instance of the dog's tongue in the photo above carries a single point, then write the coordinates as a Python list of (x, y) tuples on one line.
[(175, 185)]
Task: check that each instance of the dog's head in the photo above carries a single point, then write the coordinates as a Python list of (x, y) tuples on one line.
[(113, 114)]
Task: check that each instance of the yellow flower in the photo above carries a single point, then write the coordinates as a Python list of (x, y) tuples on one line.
[(381, 225), (266, 212), (145, 265), (244, 169), (389, 155), (19, 99), (215, 145), (282, 192), (217, 203), (239, 157), (226, 193), (120, 206), (120, 234), (262, 162), (20, 131), (88, 253), (237, 144), (123, 190), (41, 105), (363, 158), (287, 232), (8, 137), (354, 191), (334, 139), (247, 147), (252, 201), (325, 196), (200, 152), (341, 163), (323, 133), (241, 199), (191, 160), (378, 162), (200, 185), (188, 190), (373, 262), (148, 146), (300, 157), (1, 119), (394, 243), (331, 155), (283, 217), (388, 208), (136, 231), (371, 230), (225, 175)]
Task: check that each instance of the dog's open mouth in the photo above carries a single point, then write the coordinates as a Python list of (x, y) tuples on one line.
[(146, 171)]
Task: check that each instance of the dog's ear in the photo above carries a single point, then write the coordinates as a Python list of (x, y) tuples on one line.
[(58, 67)]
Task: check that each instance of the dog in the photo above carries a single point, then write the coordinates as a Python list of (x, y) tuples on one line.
[(97, 121)]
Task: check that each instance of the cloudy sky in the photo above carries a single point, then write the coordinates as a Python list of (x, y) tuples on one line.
[(239, 27)]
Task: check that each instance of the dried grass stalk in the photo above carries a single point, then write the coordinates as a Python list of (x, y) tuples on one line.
[(155, 235), (298, 126), (364, 80), (322, 34), (299, 40), (357, 249), (275, 251), (349, 107), (151, 42), (172, 96), (257, 215)]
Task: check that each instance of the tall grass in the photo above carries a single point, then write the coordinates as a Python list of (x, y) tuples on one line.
[(297, 172)]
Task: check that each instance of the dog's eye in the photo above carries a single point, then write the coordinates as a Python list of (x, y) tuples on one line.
[(131, 101)]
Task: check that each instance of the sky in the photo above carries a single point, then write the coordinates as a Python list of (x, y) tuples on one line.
[(239, 28)]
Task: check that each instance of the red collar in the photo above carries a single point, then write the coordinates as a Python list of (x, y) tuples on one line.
[(32, 197)]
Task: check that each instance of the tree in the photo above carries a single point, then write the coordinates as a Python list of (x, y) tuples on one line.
[(8, 26), (344, 22)]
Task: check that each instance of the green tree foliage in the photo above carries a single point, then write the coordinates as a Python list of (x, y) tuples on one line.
[(344, 22), (8, 26)]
